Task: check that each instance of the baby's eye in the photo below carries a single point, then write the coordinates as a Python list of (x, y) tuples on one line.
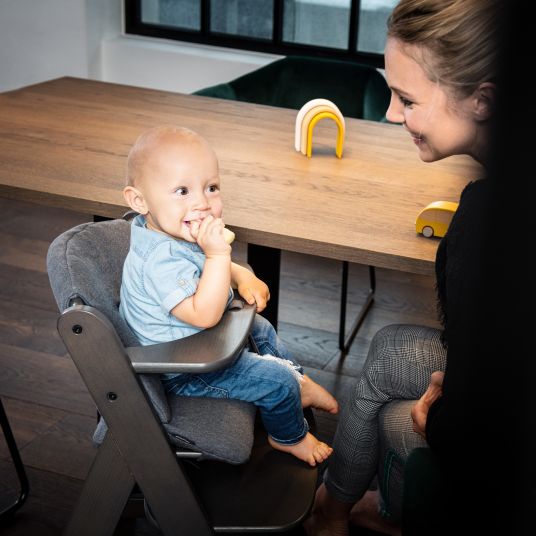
[(213, 188), (182, 191)]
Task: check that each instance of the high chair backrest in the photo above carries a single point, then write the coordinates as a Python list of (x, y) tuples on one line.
[(87, 262)]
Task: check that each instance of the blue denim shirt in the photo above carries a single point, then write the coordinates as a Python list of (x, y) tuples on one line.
[(159, 272)]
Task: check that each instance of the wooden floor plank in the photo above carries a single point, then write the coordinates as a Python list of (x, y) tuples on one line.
[(28, 421), (50, 502), (65, 448), (32, 288), (307, 313), (43, 379), (311, 347), (31, 327)]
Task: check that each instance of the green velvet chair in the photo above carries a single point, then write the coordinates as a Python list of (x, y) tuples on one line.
[(359, 91)]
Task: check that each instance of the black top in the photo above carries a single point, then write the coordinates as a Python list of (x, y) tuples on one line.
[(458, 261), (482, 427)]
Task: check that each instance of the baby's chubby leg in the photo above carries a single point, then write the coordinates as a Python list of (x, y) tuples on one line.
[(309, 449), (268, 342), (275, 386)]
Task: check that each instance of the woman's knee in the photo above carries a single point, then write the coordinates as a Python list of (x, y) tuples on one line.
[(382, 352), (397, 363), (387, 339), (407, 342), (383, 342)]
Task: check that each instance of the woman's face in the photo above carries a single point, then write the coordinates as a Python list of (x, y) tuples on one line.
[(439, 124)]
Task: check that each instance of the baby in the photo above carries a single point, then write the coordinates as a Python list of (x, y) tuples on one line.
[(177, 281)]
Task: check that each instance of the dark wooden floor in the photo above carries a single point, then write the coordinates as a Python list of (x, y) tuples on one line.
[(50, 410)]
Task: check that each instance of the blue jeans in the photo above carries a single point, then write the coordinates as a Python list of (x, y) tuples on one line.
[(270, 380)]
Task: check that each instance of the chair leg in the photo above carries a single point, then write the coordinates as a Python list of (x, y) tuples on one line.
[(140, 438), (345, 342), (19, 467), (104, 495)]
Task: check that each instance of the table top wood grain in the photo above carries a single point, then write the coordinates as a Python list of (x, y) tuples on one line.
[(64, 143)]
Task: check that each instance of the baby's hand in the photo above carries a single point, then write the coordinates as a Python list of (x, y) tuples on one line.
[(253, 290), (209, 235)]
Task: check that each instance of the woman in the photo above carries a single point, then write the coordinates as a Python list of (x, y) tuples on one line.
[(440, 64)]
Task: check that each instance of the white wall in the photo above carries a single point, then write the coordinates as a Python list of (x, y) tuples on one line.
[(41, 40), (104, 20), (45, 39), (173, 66)]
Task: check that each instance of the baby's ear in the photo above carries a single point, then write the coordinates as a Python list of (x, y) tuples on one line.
[(135, 200)]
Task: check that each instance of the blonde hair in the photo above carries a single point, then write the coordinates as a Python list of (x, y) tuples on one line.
[(457, 40)]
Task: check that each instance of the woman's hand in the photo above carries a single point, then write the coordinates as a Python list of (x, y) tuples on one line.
[(419, 412)]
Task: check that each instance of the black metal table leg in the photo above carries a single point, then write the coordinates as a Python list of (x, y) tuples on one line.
[(19, 467), (346, 341), (266, 263)]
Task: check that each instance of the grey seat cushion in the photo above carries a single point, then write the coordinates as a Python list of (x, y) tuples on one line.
[(86, 262), (219, 428)]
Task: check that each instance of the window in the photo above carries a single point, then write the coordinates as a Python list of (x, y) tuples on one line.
[(351, 29)]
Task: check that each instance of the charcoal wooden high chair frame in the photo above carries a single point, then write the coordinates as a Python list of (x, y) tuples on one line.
[(201, 464)]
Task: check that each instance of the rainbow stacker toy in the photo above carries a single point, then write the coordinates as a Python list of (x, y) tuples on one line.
[(308, 116)]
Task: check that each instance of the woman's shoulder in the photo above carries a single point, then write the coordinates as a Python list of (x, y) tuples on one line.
[(475, 187), (474, 197)]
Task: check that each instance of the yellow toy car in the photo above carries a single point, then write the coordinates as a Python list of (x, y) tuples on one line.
[(435, 218)]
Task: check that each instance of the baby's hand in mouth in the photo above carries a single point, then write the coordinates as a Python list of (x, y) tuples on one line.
[(194, 228)]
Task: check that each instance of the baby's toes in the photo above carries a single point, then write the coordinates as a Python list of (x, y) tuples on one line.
[(312, 459), (322, 452)]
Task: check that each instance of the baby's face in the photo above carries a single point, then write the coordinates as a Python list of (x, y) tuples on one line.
[(181, 186)]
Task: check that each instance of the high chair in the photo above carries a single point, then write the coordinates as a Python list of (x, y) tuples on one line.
[(201, 464)]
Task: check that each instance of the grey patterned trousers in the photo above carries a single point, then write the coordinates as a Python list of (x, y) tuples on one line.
[(374, 435)]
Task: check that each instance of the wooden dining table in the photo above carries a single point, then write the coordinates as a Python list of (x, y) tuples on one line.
[(65, 142)]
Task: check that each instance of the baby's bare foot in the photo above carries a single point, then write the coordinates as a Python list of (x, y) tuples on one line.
[(309, 449), (314, 395)]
